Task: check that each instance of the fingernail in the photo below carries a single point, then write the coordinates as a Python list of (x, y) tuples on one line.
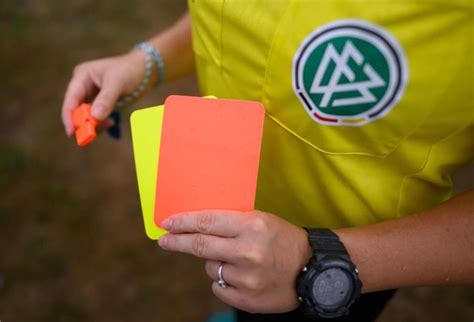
[(163, 241), (167, 224)]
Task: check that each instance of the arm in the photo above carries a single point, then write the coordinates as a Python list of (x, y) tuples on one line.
[(105, 80), (264, 254), (175, 45), (435, 247)]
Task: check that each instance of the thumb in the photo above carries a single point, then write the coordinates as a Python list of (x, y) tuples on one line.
[(105, 101)]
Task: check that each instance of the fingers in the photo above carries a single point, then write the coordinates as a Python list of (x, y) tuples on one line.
[(240, 277), (78, 89), (199, 245), (233, 297), (105, 101), (229, 273), (211, 222)]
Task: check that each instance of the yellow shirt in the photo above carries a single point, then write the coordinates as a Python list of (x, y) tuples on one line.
[(369, 104)]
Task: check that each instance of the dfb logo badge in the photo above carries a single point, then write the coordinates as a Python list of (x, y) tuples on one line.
[(349, 72)]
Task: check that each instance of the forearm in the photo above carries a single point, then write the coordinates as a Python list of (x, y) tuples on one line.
[(175, 46), (435, 247)]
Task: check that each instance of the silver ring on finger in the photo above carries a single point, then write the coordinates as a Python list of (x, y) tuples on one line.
[(220, 276)]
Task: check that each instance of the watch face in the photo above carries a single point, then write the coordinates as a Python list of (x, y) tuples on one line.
[(332, 287)]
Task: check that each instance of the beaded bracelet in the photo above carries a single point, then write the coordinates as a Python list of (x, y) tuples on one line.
[(160, 65), (152, 55)]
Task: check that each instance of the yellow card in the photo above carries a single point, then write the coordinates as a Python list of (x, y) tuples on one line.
[(146, 127)]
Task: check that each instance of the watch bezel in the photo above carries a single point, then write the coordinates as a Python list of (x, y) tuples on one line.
[(308, 277)]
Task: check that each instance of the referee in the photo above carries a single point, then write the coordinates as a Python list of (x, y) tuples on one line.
[(369, 110)]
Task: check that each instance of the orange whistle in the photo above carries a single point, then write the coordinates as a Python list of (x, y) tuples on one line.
[(84, 124)]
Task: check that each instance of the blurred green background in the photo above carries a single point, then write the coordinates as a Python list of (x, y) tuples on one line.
[(72, 243)]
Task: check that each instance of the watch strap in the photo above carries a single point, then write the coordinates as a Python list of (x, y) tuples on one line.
[(325, 242)]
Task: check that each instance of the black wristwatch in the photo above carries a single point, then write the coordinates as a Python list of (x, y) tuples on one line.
[(329, 283)]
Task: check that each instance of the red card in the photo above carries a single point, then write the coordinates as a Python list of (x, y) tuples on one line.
[(209, 155)]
